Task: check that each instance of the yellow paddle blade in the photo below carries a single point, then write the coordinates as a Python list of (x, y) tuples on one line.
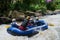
[(7, 26), (50, 24)]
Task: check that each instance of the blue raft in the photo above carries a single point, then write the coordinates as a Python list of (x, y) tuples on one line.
[(30, 29)]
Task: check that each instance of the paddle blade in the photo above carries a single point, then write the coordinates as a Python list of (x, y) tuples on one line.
[(7, 26), (50, 24)]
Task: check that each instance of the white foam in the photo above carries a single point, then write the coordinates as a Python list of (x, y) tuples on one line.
[(50, 34)]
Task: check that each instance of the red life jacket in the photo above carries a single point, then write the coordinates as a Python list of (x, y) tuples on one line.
[(24, 25), (22, 28)]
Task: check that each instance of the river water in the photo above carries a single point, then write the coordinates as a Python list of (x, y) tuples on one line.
[(52, 33)]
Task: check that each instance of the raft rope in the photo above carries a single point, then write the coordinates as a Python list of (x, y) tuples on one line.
[(37, 28)]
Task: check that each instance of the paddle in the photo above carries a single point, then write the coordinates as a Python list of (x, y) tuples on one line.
[(7, 26), (50, 24)]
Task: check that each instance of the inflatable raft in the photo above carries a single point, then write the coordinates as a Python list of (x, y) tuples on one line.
[(30, 29)]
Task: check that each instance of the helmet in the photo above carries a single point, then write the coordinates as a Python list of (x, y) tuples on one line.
[(37, 18), (28, 17), (31, 19), (13, 19)]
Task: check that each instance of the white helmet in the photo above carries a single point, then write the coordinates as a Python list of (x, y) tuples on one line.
[(13, 19), (37, 17), (31, 19)]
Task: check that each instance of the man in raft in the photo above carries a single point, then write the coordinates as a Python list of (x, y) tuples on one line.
[(24, 24), (14, 23)]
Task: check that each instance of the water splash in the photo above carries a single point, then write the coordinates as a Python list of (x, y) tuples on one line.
[(49, 34)]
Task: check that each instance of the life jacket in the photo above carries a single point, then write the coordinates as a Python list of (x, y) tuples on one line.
[(14, 24), (24, 25)]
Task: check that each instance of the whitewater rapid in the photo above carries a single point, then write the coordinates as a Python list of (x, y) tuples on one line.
[(52, 33)]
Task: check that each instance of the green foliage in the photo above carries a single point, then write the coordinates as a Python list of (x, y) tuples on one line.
[(34, 7), (4, 7), (30, 5), (57, 4), (51, 6), (12, 6)]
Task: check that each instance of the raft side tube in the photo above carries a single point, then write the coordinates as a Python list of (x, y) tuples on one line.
[(43, 27), (18, 31)]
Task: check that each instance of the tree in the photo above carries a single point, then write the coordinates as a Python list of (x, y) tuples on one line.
[(4, 6), (51, 5)]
